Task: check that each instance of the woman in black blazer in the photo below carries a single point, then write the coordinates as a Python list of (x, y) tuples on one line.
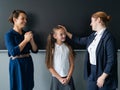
[(100, 65)]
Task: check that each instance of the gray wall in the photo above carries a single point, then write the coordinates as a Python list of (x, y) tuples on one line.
[(42, 76)]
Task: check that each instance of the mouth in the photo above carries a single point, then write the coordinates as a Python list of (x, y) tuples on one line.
[(23, 24)]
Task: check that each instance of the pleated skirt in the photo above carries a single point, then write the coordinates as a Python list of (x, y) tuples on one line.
[(56, 85)]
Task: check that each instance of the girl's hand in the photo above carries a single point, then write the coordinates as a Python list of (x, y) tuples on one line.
[(67, 80), (62, 80)]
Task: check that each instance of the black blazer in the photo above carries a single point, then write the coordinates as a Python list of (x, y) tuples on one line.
[(106, 56)]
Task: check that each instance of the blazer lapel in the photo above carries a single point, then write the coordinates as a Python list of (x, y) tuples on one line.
[(101, 41), (90, 39)]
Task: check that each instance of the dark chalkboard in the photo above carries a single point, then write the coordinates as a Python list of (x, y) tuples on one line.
[(43, 15)]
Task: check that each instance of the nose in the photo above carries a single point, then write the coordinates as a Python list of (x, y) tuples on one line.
[(25, 20), (64, 35), (90, 24)]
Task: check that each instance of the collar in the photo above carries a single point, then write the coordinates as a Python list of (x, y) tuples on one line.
[(57, 45), (100, 32)]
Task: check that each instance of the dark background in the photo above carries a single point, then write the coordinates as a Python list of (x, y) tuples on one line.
[(43, 15)]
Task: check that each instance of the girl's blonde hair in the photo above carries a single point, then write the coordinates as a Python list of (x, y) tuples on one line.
[(51, 45)]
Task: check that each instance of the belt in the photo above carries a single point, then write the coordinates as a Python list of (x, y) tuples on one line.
[(19, 56)]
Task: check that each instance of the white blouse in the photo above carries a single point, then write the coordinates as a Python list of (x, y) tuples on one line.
[(93, 46), (61, 59)]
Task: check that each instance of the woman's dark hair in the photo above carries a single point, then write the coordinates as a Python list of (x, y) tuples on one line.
[(15, 14)]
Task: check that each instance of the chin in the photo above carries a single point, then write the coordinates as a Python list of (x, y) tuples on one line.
[(23, 26), (63, 40), (93, 29)]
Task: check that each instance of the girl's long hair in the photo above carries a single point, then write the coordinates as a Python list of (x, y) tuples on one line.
[(50, 48)]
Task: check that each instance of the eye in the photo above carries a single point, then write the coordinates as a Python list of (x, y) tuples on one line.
[(61, 34)]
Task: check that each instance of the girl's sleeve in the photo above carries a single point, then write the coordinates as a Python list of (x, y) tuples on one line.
[(13, 49)]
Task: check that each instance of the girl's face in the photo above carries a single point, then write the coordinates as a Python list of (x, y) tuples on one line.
[(21, 20), (94, 24), (60, 35)]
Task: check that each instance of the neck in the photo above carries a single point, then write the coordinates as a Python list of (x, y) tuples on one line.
[(17, 29), (100, 28), (59, 42)]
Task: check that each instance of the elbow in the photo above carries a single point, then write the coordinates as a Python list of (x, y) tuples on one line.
[(35, 50), (72, 66), (14, 52)]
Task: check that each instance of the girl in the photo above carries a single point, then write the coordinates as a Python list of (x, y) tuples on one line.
[(19, 43), (59, 60)]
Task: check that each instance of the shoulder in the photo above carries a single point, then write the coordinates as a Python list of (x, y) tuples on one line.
[(9, 33), (68, 47), (107, 35), (108, 38)]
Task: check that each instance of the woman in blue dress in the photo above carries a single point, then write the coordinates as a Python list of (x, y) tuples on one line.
[(19, 43)]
